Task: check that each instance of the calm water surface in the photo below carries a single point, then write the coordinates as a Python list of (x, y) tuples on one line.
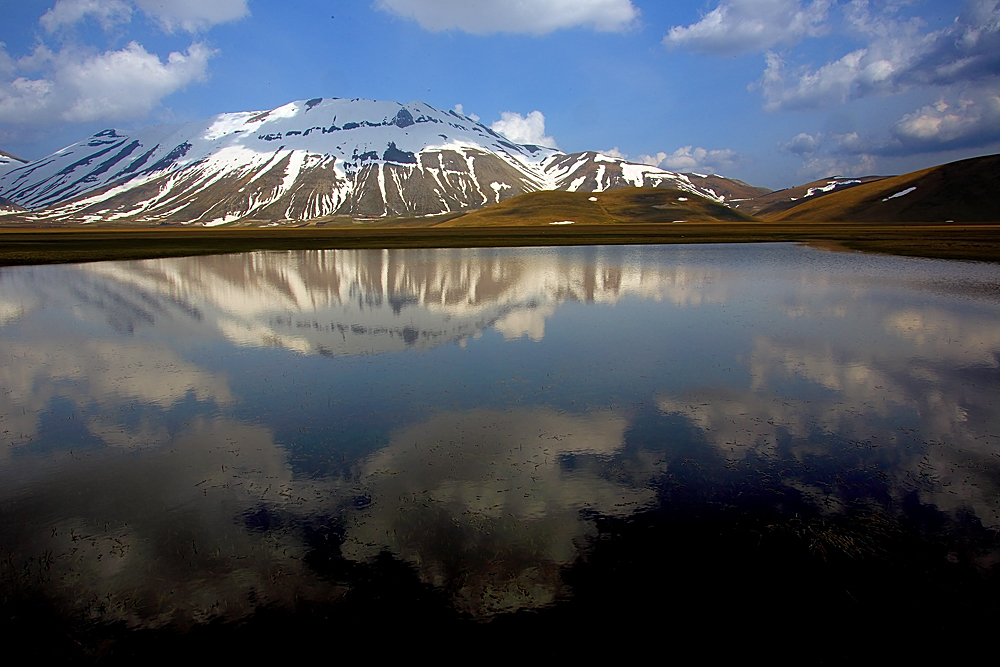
[(699, 438)]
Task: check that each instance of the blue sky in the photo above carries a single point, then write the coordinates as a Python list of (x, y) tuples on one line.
[(774, 92)]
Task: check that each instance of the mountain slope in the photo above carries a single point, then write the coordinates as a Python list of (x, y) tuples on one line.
[(305, 160), (731, 190), (963, 191), (623, 205), (773, 203), (7, 206), (8, 161)]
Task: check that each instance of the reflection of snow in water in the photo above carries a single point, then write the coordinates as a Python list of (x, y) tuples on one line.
[(364, 301), (490, 502)]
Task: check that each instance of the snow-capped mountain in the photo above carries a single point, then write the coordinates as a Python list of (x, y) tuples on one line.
[(305, 160)]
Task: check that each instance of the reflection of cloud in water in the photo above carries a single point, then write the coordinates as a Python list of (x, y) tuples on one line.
[(528, 322), (98, 372), (158, 538), (857, 379), (486, 503), (938, 422), (11, 310), (205, 518), (941, 335)]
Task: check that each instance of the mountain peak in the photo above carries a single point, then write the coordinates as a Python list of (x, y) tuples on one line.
[(307, 159)]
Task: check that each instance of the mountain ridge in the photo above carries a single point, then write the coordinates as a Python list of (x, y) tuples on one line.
[(775, 201), (309, 159)]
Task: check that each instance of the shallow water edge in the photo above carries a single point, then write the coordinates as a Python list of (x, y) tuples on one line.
[(20, 246)]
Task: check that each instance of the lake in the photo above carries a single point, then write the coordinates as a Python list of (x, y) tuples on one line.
[(576, 444)]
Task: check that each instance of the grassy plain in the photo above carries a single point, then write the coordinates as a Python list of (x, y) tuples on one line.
[(625, 216), (614, 207), (43, 246)]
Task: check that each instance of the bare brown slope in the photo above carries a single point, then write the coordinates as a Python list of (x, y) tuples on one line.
[(732, 190), (624, 205), (773, 203), (963, 191), (8, 205)]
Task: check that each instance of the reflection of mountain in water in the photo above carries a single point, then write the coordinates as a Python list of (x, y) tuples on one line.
[(369, 301), (143, 481)]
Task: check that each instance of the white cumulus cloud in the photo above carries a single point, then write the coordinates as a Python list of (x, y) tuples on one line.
[(536, 17), (802, 144), (898, 55), (842, 142), (691, 159), (972, 118), (76, 83), (520, 129), (746, 26), (108, 13), (115, 85), (824, 166), (171, 15), (460, 110), (194, 15)]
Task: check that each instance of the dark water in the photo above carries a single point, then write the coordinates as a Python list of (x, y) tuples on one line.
[(584, 450)]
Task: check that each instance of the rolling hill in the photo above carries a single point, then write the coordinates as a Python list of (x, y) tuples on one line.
[(623, 205), (773, 203), (963, 191)]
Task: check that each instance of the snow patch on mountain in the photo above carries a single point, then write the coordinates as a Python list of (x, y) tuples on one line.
[(831, 185), (901, 193)]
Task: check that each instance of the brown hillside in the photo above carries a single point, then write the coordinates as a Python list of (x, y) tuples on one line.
[(773, 203), (624, 205), (8, 205), (730, 188), (964, 191)]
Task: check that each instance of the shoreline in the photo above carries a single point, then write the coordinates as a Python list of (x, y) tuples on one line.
[(34, 246)]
